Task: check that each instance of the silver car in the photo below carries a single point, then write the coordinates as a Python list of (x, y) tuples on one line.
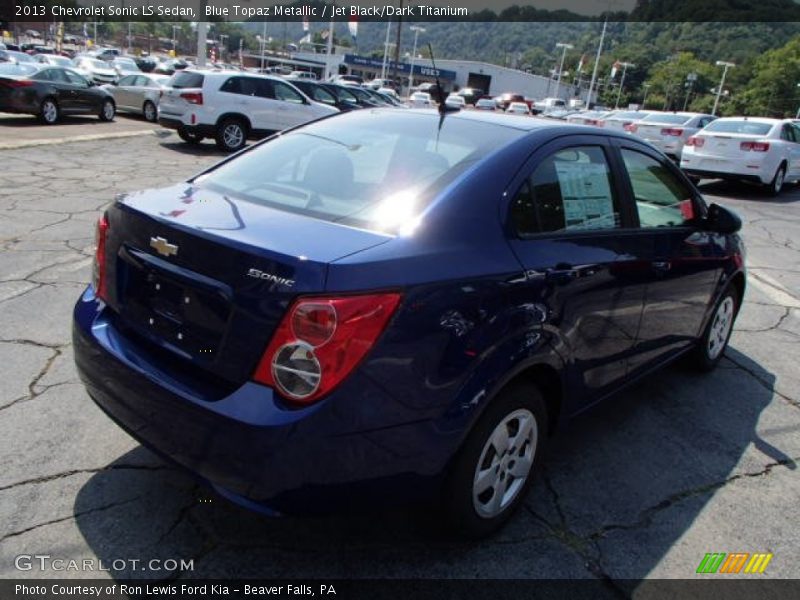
[(623, 119), (669, 131), (139, 94)]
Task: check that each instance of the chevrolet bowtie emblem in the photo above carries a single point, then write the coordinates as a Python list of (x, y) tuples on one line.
[(163, 247)]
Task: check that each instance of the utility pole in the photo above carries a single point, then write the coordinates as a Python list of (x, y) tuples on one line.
[(624, 66), (596, 63), (564, 48), (397, 43), (417, 30), (329, 49), (726, 65), (202, 34), (646, 87), (386, 49)]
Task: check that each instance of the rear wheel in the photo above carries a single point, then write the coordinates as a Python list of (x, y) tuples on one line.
[(189, 136), (48, 111), (776, 185), (494, 469), (231, 135), (150, 112), (108, 110)]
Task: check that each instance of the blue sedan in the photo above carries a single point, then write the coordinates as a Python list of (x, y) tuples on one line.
[(399, 306)]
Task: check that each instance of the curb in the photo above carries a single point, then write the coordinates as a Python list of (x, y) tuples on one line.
[(76, 138)]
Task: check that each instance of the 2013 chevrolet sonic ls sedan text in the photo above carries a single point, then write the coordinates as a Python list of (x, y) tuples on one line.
[(399, 304)]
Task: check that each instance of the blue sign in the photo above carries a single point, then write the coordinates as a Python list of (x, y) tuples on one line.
[(403, 68)]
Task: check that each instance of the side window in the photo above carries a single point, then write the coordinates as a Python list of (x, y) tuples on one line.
[(705, 121), (264, 89), (248, 86), (787, 133), (570, 190), (285, 93), (231, 86), (796, 132), (127, 80), (76, 79), (662, 199), (321, 95)]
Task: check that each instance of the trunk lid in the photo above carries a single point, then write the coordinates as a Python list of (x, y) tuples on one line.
[(208, 278)]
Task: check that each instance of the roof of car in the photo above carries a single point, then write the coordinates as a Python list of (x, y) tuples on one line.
[(766, 120)]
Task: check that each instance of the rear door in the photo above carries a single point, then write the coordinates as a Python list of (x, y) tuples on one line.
[(123, 92), (569, 228), (790, 134), (59, 85), (293, 109), (683, 261)]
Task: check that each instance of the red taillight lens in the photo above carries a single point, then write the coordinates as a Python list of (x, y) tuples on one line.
[(320, 341), (193, 97), (672, 131), (99, 267), (631, 128), (754, 146), (695, 141), (17, 83)]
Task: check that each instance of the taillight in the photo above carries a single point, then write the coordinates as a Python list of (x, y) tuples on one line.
[(99, 266), (320, 341), (631, 127), (695, 141), (193, 97), (600, 123), (754, 146), (672, 131), (17, 83)]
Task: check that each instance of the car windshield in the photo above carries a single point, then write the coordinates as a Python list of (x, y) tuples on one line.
[(669, 119), (20, 56), (61, 61), (17, 69), (375, 170), (739, 126)]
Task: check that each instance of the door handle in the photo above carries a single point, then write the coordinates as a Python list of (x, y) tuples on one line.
[(561, 273)]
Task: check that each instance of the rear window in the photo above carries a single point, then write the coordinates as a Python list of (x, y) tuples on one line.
[(630, 115), (187, 79), (17, 69), (669, 119), (746, 127), (372, 170)]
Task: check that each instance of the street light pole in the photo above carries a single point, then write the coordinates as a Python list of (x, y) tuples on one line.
[(596, 63), (417, 30), (726, 65), (222, 46), (646, 87), (625, 66), (386, 49), (174, 39), (564, 48)]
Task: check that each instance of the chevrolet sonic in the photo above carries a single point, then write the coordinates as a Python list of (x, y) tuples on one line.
[(399, 305)]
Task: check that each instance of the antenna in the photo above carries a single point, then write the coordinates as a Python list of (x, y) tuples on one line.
[(439, 90)]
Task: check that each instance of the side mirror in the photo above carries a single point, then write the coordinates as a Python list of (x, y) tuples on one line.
[(722, 220)]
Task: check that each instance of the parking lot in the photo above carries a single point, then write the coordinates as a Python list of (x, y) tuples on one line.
[(679, 466)]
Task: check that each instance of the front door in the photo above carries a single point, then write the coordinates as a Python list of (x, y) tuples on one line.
[(569, 227)]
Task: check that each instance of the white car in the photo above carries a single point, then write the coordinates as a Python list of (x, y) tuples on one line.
[(765, 151), (420, 100), (53, 60), (304, 75), (669, 131), (95, 70), (623, 120), (518, 108), (455, 101), (234, 106), (124, 65), (595, 118), (485, 104)]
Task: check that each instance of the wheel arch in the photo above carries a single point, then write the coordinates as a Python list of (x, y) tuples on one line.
[(238, 117)]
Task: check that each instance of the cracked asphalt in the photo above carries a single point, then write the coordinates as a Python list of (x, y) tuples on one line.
[(681, 465)]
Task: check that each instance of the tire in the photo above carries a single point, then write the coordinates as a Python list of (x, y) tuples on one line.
[(49, 113), (231, 135), (711, 346), (473, 506), (777, 183), (107, 110), (150, 112), (190, 137)]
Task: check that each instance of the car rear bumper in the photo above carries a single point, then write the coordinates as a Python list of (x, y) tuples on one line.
[(721, 168), (176, 123), (247, 445)]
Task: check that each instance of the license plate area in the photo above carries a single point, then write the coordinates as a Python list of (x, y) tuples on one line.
[(186, 311)]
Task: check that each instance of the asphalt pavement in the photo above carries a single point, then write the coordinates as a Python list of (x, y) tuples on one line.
[(679, 466)]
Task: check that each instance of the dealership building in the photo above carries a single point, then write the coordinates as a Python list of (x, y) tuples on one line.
[(453, 74)]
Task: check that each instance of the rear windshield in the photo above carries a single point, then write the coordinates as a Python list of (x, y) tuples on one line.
[(630, 115), (187, 79), (746, 127), (372, 169), (669, 119), (17, 69)]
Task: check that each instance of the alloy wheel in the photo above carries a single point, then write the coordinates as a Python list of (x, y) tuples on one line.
[(720, 328), (49, 111)]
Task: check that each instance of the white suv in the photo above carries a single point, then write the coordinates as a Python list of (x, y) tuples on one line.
[(232, 106)]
